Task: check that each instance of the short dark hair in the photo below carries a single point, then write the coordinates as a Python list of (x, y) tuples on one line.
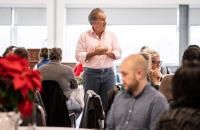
[(8, 49), (186, 81), (191, 53), (193, 46), (22, 52), (56, 54), (92, 16), (44, 53)]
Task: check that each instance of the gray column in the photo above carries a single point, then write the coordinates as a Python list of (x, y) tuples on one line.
[(183, 24), (51, 23)]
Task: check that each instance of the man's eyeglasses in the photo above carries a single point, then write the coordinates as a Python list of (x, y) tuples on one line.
[(101, 19), (157, 62)]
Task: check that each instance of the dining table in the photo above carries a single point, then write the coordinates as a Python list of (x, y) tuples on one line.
[(49, 128)]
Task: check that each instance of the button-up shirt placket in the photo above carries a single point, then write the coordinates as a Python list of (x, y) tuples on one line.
[(130, 111)]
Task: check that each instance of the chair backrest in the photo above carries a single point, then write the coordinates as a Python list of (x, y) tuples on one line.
[(111, 95), (38, 101), (93, 114), (40, 116), (166, 87), (55, 104)]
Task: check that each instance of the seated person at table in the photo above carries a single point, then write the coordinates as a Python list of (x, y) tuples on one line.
[(140, 105), (63, 74), (185, 112), (9, 50), (22, 52), (43, 57), (156, 71)]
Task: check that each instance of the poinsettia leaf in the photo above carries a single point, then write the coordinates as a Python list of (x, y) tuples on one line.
[(17, 84)]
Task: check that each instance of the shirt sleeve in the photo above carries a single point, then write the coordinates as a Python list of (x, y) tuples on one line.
[(116, 47), (159, 106), (81, 52)]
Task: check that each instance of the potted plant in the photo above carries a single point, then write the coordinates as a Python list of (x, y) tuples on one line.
[(18, 84)]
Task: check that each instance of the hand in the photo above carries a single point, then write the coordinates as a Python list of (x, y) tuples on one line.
[(155, 76), (101, 50), (111, 55), (98, 51)]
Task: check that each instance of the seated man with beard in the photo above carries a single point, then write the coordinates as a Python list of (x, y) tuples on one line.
[(140, 105)]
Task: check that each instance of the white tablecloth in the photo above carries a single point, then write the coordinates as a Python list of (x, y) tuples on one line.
[(50, 128)]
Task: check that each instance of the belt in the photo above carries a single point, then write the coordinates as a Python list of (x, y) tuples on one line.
[(97, 70)]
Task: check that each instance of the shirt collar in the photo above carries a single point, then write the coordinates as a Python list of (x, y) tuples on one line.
[(93, 33), (146, 88), (54, 62)]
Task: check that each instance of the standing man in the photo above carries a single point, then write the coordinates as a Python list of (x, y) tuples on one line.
[(140, 105), (97, 49)]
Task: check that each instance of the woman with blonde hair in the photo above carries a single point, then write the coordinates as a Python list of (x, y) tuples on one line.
[(155, 75)]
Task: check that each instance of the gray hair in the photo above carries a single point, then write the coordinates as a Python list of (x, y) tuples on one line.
[(92, 16)]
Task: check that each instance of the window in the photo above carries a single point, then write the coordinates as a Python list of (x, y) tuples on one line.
[(194, 35), (5, 38), (161, 38), (26, 29), (31, 30), (32, 36), (72, 35)]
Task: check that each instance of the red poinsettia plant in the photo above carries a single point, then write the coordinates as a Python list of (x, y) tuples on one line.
[(18, 84)]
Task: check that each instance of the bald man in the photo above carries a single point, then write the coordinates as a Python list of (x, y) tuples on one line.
[(140, 105)]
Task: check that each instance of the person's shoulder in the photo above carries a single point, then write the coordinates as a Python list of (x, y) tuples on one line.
[(155, 93), (180, 112), (121, 94), (85, 33), (179, 116), (43, 62), (43, 66), (67, 67)]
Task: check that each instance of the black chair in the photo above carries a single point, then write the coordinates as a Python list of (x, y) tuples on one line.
[(111, 96), (93, 113), (55, 104)]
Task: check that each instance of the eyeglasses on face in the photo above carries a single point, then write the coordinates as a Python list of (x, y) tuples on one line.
[(100, 22), (157, 62), (100, 19)]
